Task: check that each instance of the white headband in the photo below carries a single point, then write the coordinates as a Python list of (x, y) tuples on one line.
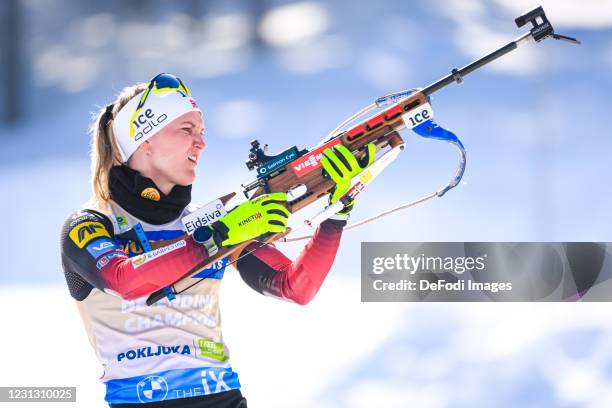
[(161, 107)]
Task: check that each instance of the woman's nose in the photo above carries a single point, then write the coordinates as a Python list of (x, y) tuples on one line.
[(199, 142)]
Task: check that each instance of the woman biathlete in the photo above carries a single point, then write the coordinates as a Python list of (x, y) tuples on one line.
[(145, 150)]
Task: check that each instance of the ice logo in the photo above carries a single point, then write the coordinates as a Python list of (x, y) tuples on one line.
[(153, 388)]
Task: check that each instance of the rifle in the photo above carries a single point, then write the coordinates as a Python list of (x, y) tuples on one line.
[(298, 172)]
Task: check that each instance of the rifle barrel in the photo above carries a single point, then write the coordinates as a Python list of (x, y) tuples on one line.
[(457, 74)]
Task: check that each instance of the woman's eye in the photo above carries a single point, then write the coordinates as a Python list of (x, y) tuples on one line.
[(188, 130)]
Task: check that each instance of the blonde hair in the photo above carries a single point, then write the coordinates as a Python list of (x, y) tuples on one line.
[(105, 151)]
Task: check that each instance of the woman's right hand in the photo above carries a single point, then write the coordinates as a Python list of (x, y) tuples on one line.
[(253, 218)]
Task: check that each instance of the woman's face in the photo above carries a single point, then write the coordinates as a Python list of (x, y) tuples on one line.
[(173, 153)]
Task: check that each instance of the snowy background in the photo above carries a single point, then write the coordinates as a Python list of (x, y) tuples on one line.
[(539, 149)]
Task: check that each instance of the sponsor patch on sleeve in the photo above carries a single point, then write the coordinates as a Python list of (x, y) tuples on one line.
[(86, 232), (101, 246), (102, 262)]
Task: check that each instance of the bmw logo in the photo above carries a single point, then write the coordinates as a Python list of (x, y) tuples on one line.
[(152, 388)]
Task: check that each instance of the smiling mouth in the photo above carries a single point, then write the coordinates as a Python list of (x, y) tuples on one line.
[(192, 159)]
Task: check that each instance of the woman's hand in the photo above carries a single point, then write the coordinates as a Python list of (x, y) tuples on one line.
[(253, 218), (342, 166)]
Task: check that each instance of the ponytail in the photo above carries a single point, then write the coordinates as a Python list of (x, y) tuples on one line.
[(105, 152)]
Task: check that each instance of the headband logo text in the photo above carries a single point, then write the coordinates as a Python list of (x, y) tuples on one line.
[(147, 121)]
